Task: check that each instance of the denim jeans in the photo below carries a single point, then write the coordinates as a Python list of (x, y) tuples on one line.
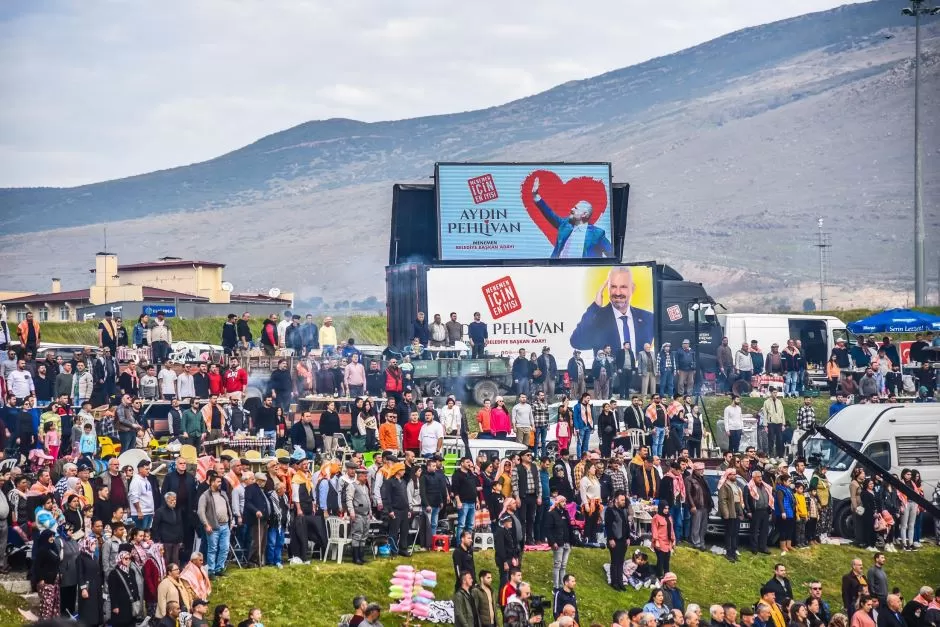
[(560, 563), (666, 381), (659, 435), (465, 516), (217, 549), (675, 511), (128, 439), (541, 434), (143, 522), (275, 546), (789, 383), (431, 522), (584, 442)]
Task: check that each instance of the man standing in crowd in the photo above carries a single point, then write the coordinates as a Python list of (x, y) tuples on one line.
[(215, 514), (685, 369), (140, 496), (479, 335), (522, 417), (159, 337), (546, 363), (617, 525), (626, 368), (527, 490), (734, 423), (776, 421)]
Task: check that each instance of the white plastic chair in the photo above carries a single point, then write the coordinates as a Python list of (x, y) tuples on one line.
[(636, 438), (336, 530)]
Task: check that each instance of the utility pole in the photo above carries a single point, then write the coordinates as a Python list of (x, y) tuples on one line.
[(916, 10), (823, 244)]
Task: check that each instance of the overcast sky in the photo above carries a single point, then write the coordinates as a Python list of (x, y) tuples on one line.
[(102, 89)]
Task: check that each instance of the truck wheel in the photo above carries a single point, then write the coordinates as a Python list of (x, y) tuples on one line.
[(485, 389), (434, 387), (843, 523)]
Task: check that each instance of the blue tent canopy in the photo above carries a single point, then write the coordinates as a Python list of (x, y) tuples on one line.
[(896, 321)]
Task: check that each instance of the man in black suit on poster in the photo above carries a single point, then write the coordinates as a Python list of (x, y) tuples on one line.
[(616, 322)]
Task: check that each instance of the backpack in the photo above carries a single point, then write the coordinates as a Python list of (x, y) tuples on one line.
[(332, 497)]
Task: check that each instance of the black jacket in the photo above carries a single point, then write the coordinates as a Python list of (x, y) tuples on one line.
[(256, 501), (616, 524), (463, 562), (464, 486), (887, 618), (168, 526), (394, 495), (783, 591), (558, 527), (229, 335), (280, 382), (243, 330), (433, 489), (506, 546), (915, 614)]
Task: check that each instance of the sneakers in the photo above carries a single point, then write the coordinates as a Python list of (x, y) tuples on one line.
[(890, 548), (279, 565), (296, 561), (917, 545)]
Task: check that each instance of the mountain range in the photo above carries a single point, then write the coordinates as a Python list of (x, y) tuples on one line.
[(733, 148)]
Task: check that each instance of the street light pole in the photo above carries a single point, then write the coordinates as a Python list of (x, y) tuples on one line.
[(917, 9)]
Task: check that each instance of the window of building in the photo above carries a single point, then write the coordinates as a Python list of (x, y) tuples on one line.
[(64, 314), (20, 315), (43, 314)]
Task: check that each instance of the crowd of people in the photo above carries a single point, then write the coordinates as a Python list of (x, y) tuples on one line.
[(114, 544)]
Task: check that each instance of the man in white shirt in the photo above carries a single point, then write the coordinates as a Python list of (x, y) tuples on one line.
[(167, 379), (431, 436), (734, 423), (140, 496), (20, 382), (185, 386), (522, 420)]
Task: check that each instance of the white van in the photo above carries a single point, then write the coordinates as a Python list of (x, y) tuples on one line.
[(817, 333), (894, 436)]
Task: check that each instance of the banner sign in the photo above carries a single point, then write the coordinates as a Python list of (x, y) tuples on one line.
[(169, 311), (495, 211), (602, 306)]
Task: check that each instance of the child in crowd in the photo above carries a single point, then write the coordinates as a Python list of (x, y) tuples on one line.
[(144, 437), (88, 444), (802, 513), (637, 572), (51, 440), (148, 384)]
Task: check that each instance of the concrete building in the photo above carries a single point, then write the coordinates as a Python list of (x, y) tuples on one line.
[(181, 288)]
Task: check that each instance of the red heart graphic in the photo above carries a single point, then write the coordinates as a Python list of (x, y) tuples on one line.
[(531, 320), (562, 197)]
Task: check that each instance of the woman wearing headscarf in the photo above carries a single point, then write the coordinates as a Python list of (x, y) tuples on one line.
[(89, 604), (46, 559), (74, 521), (664, 538), (784, 512), (819, 489), (126, 601)]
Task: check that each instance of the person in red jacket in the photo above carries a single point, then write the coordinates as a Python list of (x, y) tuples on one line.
[(394, 383), (236, 379), (216, 383), (411, 434)]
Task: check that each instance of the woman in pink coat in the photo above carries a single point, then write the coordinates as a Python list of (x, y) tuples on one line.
[(500, 425), (664, 538)]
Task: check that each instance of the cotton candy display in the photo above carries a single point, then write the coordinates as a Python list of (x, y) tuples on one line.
[(411, 591)]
